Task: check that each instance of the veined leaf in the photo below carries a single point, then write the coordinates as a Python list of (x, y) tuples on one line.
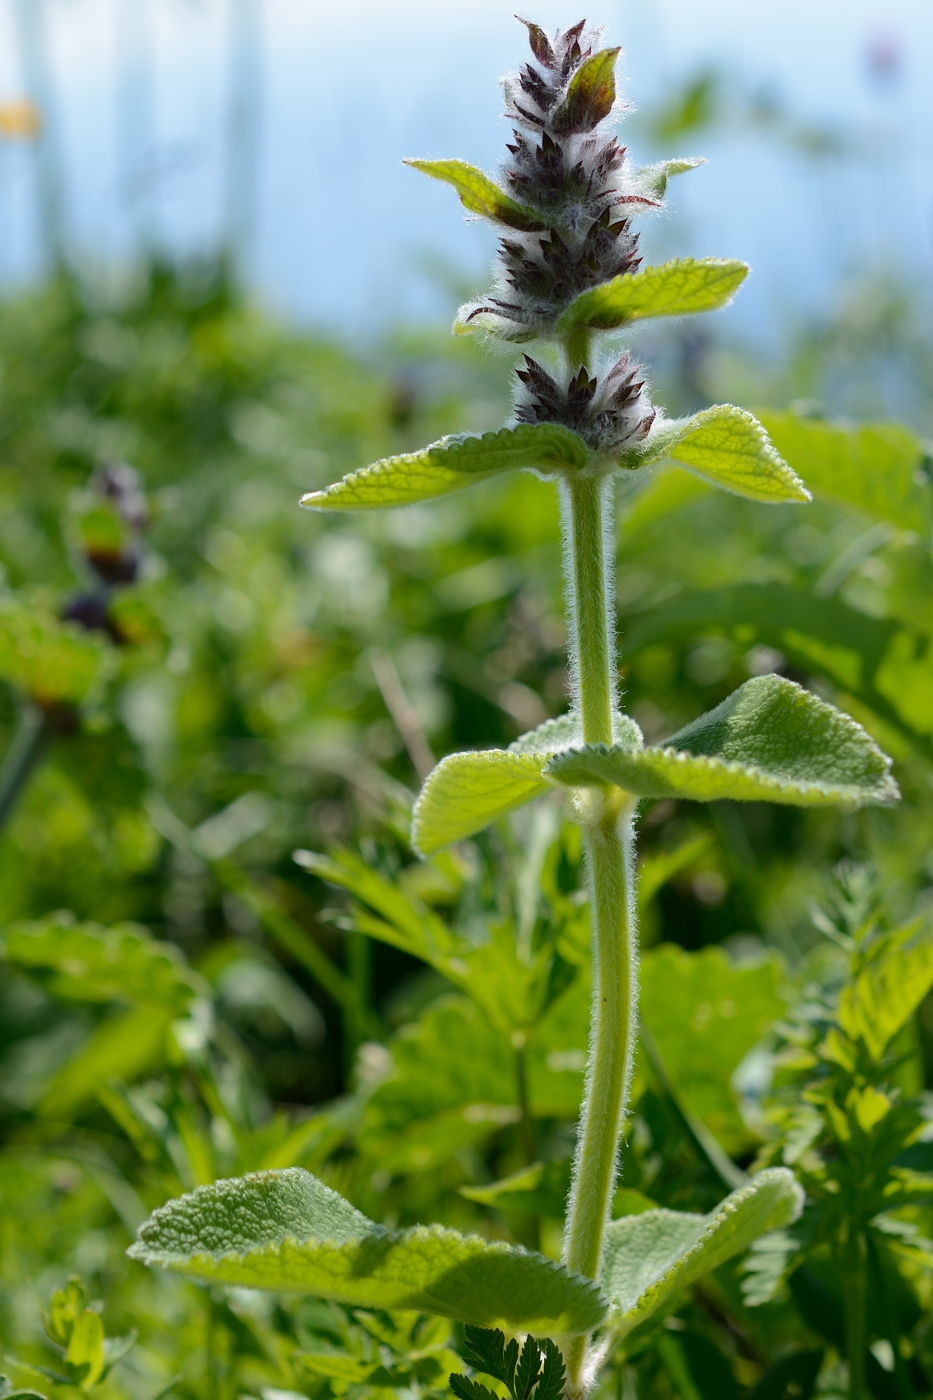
[(287, 1231), (677, 288), (651, 1256), (481, 195), (896, 977), (590, 94), (771, 741), (468, 791), (653, 178), (873, 467), (727, 446), (451, 464)]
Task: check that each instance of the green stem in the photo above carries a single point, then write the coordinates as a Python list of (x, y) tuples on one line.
[(585, 502), (22, 756), (606, 818), (526, 1128), (855, 1296)]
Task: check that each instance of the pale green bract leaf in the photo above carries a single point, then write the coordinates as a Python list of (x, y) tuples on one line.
[(889, 988), (287, 1231), (451, 464), (481, 195), (468, 791), (677, 288), (727, 446), (651, 1256), (653, 178), (770, 741)]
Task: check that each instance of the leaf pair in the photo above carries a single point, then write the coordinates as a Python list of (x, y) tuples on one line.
[(725, 445), (287, 1231), (770, 741)]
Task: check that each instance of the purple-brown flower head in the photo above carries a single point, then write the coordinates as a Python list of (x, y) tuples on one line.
[(610, 412), (572, 176)]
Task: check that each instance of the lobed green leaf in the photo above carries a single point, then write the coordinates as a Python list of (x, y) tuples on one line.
[(727, 446), (897, 975), (287, 1231), (651, 1256), (770, 741), (481, 195), (450, 465), (678, 288)]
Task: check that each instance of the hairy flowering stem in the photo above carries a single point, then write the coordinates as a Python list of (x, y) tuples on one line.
[(606, 818)]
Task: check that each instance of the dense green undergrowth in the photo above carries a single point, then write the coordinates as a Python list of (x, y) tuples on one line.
[(181, 1000)]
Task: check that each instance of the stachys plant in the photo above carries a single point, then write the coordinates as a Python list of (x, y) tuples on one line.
[(568, 272)]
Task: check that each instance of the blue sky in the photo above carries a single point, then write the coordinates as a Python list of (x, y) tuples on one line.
[(344, 231)]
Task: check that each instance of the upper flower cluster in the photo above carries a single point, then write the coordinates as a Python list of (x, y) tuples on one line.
[(569, 174)]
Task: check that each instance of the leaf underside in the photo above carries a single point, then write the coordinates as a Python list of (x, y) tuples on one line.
[(287, 1231), (678, 288), (451, 464), (770, 741), (468, 791), (651, 1256), (730, 448)]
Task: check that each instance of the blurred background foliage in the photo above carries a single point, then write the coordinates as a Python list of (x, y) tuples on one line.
[(199, 681)]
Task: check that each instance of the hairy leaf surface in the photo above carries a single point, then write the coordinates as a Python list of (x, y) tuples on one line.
[(770, 741), (896, 977), (481, 195), (288, 1231), (727, 446), (677, 288), (653, 1255), (450, 464)]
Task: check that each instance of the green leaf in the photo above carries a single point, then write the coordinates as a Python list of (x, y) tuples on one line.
[(124, 1046), (86, 962), (53, 662), (651, 1256), (590, 95), (468, 791), (451, 464), (771, 741), (85, 1355), (481, 195), (706, 1013), (65, 1307), (337, 1366), (466, 1389), (874, 467), (485, 1350), (287, 1231), (8, 1393), (653, 178), (677, 288), (889, 988), (726, 446)]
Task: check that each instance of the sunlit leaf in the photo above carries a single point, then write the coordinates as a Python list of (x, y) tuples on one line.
[(124, 1046), (873, 467), (651, 1256), (451, 464), (897, 975), (726, 446), (481, 195), (53, 662), (286, 1231), (771, 741), (590, 95), (677, 288)]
